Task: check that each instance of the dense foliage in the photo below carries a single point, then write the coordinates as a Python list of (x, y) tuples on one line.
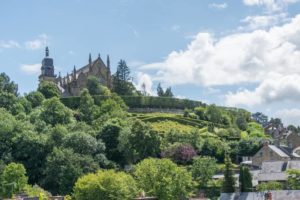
[(81, 146)]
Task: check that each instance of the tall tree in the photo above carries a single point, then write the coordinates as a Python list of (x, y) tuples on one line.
[(108, 185), (49, 89), (160, 91), (14, 179), (164, 179), (245, 179), (6, 85), (87, 107), (203, 169), (229, 180), (168, 92), (121, 82), (94, 86)]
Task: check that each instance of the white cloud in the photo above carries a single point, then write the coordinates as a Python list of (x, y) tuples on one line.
[(31, 69), (270, 5), (9, 44), (289, 116), (233, 59), (38, 43), (219, 6), (145, 79), (263, 21), (276, 88)]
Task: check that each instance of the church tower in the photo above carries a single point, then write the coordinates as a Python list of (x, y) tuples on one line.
[(47, 68)]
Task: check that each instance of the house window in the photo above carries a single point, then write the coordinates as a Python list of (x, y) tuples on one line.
[(271, 153)]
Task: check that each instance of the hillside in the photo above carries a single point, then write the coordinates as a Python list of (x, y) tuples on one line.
[(56, 143)]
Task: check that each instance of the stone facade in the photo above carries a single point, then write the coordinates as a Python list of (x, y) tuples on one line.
[(73, 83), (269, 153), (293, 140)]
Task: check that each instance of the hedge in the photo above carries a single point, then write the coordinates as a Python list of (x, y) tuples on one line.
[(140, 102)]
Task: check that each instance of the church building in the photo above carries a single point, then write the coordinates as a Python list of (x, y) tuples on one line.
[(74, 82)]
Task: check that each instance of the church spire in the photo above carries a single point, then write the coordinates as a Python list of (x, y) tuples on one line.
[(108, 62), (47, 52), (99, 56), (90, 58)]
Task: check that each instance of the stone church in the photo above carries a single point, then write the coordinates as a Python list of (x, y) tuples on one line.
[(74, 82)]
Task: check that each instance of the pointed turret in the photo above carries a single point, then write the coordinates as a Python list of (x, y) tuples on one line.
[(109, 83), (47, 68), (47, 52), (108, 62), (90, 59), (99, 57)]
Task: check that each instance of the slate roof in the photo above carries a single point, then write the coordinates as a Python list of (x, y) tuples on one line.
[(276, 195), (278, 151)]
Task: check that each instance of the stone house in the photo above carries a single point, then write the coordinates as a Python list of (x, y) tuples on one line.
[(293, 140), (270, 153)]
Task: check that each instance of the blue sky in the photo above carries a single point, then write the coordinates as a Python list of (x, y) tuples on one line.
[(241, 53)]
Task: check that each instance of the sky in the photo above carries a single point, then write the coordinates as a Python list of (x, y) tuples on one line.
[(241, 53)]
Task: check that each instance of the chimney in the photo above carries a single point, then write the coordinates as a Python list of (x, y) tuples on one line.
[(268, 196)]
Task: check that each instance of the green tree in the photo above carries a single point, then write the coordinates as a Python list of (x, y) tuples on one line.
[(87, 107), (140, 142), (49, 89), (13, 179), (108, 185), (121, 81), (35, 98), (94, 87), (63, 168), (203, 169), (241, 123), (213, 114), (294, 179), (229, 180), (168, 92), (245, 179), (83, 143), (164, 179), (6, 85), (160, 91), (272, 185), (109, 134), (31, 149), (54, 112)]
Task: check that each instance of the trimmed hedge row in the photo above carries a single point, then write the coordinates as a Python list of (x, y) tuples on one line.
[(181, 121), (141, 102)]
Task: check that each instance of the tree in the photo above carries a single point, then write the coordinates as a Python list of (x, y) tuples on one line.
[(272, 185), (64, 167), (241, 123), (160, 91), (86, 107), (213, 114), (94, 87), (108, 185), (140, 142), (163, 179), (180, 153), (54, 112), (35, 98), (49, 89), (13, 179), (109, 134), (229, 180), (168, 92), (83, 143), (31, 149), (203, 169), (293, 179), (6, 85), (245, 179), (121, 81)]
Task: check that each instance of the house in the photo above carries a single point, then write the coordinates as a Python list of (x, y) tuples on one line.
[(270, 195), (293, 140), (271, 153), (276, 170)]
